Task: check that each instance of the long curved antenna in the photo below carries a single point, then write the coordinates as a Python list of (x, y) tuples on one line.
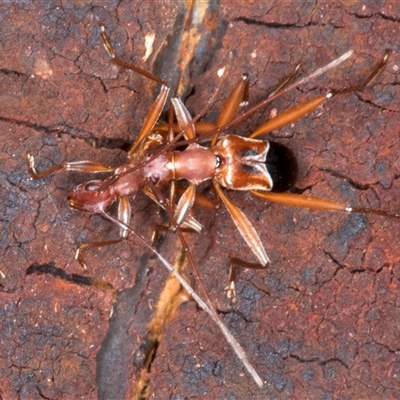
[(208, 308), (239, 118)]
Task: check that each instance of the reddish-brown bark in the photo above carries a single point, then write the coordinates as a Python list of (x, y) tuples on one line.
[(321, 322)]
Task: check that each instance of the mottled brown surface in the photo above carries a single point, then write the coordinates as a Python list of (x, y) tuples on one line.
[(322, 322)]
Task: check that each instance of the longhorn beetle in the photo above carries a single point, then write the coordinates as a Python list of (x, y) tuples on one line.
[(171, 152)]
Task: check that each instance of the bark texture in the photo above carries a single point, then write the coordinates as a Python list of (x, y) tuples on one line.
[(321, 322)]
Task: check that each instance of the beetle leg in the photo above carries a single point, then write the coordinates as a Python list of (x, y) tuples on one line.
[(188, 223), (80, 166), (185, 203), (245, 227), (231, 288), (290, 115), (158, 104), (239, 96), (294, 113), (205, 305), (286, 81), (150, 120), (200, 200), (184, 118), (116, 60), (252, 239), (316, 203), (124, 215)]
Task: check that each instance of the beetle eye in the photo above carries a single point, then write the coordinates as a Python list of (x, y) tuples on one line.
[(92, 186)]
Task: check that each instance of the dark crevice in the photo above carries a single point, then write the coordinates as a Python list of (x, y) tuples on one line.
[(149, 348), (357, 271), (353, 183), (388, 18), (75, 133), (334, 359), (204, 47), (235, 312), (103, 85), (303, 360), (36, 127), (119, 349), (385, 265), (277, 25), (358, 16), (371, 103), (48, 130), (379, 14), (40, 394), (335, 261), (51, 269), (6, 71), (272, 25)]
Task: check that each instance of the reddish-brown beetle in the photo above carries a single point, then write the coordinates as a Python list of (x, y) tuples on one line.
[(232, 162)]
